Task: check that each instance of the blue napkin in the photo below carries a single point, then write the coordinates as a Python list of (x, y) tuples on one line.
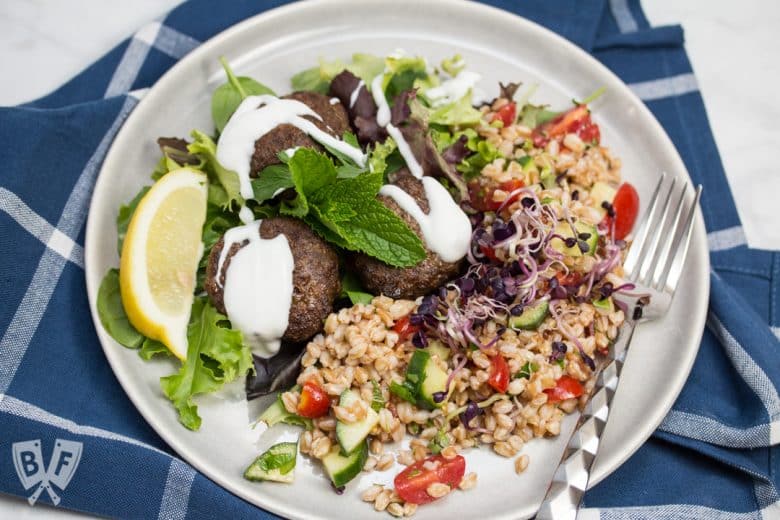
[(714, 456)]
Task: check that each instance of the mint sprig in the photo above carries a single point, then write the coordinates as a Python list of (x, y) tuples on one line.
[(345, 211)]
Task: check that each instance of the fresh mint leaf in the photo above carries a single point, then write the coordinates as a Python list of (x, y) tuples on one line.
[(125, 214), (373, 229), (215, 355), (270, 180), (310, 171), (206, 149), (112, 313), (229, 95)]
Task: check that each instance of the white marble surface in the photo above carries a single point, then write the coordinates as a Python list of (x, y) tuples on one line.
[(732, 46)]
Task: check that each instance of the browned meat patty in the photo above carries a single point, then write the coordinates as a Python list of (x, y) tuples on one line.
[(315, 276), (407, 282), (334, 121)]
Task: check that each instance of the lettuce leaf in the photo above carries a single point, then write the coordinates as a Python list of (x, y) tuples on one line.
[(216, 355), (125, 214), (206, 149), (317, 79), (458, 113)]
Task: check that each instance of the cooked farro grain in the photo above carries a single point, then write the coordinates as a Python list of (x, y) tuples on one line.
[(437, 489), (521, 463)]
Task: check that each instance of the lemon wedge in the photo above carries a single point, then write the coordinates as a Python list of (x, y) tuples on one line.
[(160, 255)]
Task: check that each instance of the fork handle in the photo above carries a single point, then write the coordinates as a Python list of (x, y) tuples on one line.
[(570, 481)]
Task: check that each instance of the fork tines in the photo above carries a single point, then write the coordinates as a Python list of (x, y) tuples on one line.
[(657, 255)]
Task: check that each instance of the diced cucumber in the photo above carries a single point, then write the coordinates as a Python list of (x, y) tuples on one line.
[(602, 192), (564, 229), (428, 378), (277, 413), (531, 317), (437, 348), (341, 469), (604, 304), (548, 200), (350, 435), (548, 178), (276, 464)]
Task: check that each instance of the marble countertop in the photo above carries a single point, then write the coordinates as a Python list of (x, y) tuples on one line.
[(732, 46)]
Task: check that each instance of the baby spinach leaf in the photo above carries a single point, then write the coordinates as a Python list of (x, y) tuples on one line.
[(112, 313), (229, 95)]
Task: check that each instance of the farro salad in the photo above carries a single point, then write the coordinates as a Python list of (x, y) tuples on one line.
[(392, 254)]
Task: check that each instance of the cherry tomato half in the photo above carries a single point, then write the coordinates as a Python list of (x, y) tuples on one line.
[(499, 374), (565, 388), (412, 483), (574, 121), (626, 206), (506, 114), (481, 196), (314, 402), (404, 328)]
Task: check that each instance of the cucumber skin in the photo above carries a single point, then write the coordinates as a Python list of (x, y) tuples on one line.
[(533, 319), (352, 465), (254, 473), (565, 230), (422, 366), (343, 429)]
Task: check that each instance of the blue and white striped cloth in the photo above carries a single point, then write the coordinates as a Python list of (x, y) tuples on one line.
[(715, 455)]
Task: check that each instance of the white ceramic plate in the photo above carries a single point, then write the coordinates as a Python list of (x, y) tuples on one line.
[(500, 46)]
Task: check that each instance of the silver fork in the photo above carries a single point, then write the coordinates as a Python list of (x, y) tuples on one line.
[(656, 270)]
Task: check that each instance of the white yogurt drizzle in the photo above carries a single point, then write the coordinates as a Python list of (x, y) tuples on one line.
[(446, 228), (258, 115), (334, 100), (452, 89), (354, 96), (258, 286)]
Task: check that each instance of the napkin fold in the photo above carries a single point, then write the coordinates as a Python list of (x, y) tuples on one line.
[(715, 455)]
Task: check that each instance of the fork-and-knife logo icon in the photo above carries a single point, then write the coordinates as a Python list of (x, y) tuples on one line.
[(29, 464)]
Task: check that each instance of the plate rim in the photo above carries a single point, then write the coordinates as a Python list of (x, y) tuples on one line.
[(90, 250)]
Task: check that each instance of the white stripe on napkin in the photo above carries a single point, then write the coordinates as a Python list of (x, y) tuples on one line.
[(25, 321), (665, 87), (728, 238), (152, 35), (176, 496), (753, 374), (678, 511), (709, 430), (623, 17), (40, 228), (19, 408)]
